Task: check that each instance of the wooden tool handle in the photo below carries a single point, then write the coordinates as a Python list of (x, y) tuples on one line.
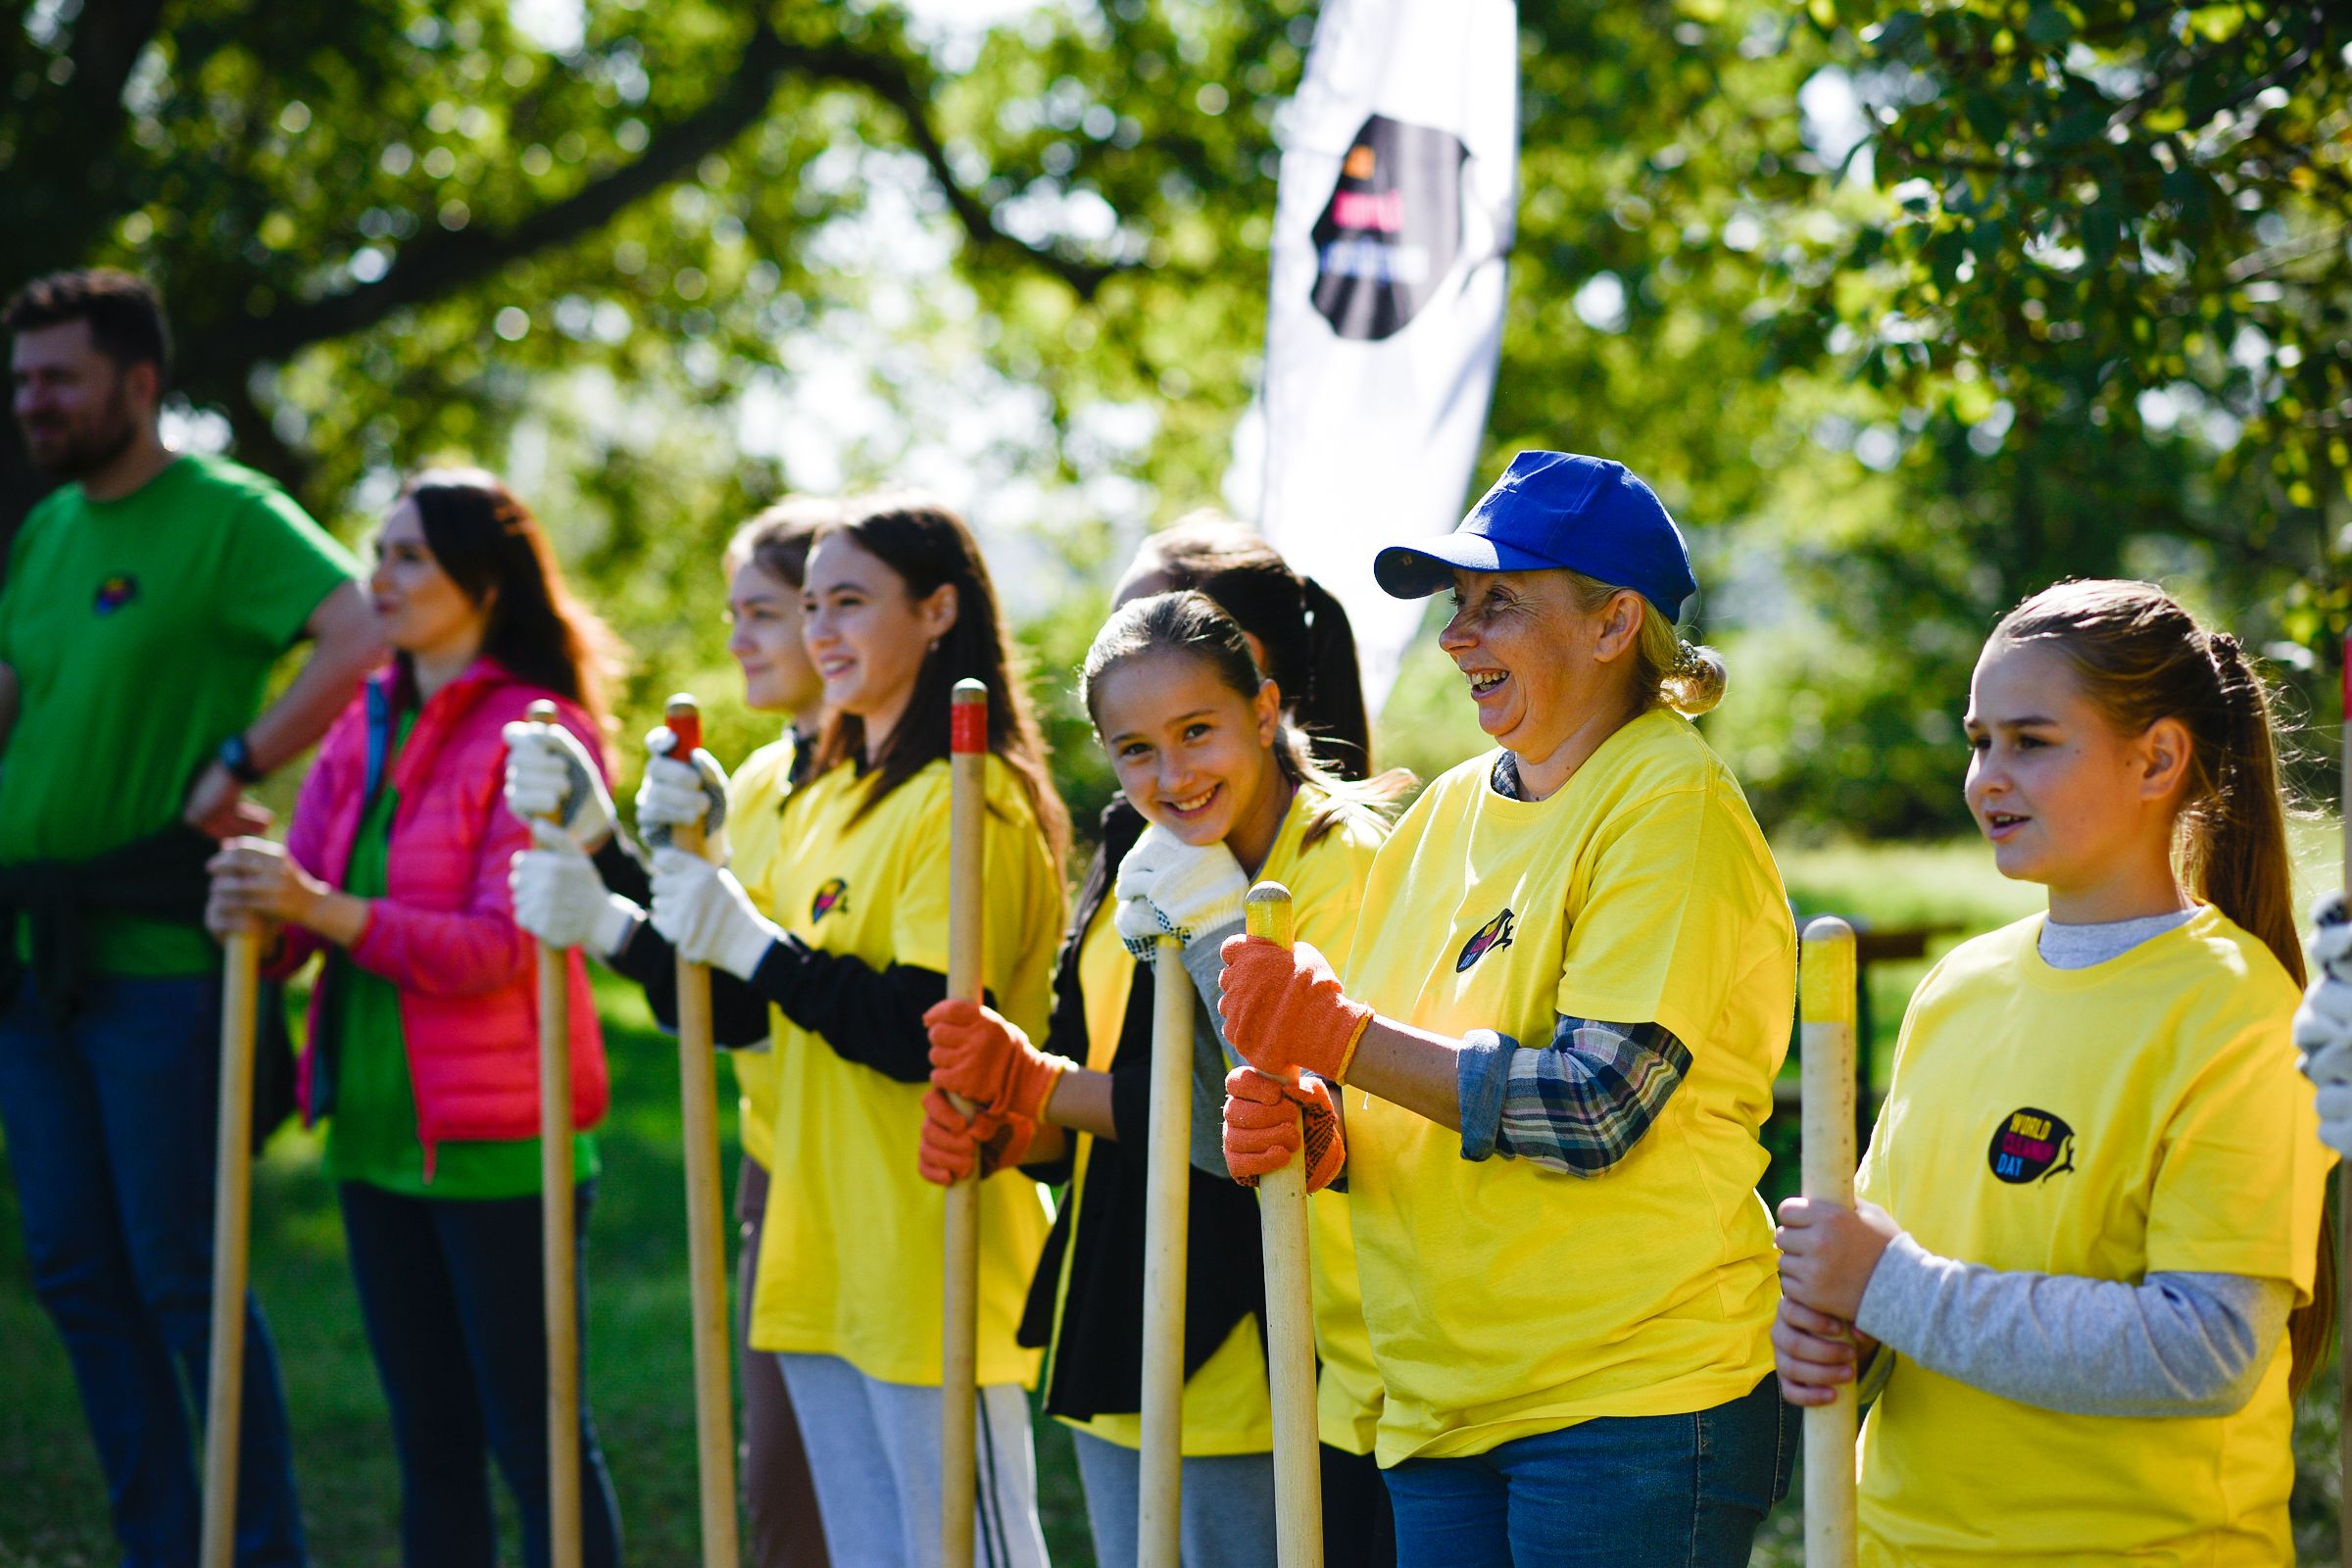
[(557, 1249), (233, 1195), (1167, 1218), (1290, 1311), (2343, 1173), (959, 1326), (1826, 1062), (706, 1217)]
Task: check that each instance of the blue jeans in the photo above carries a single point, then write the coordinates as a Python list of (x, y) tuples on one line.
[(451, 1293), (1622, 1491), (110, 1127)]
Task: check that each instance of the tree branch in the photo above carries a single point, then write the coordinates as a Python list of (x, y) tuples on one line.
[(905, 89), (107, 40), (432, 267)]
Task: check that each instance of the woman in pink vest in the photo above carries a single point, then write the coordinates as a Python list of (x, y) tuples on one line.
[(423, 1024)]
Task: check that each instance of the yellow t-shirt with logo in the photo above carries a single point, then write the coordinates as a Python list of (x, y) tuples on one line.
[(756, 797), (850, 1254), (1504, 1300), (2141, 1115), (1226, 1407)]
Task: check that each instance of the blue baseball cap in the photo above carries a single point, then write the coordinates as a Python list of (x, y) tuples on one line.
[(1552, 509)]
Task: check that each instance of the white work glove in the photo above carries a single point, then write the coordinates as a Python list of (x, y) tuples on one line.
[(2323, 1022), (678, 794), (550, 777), (560, 899), (707, 916), (1169, 887)]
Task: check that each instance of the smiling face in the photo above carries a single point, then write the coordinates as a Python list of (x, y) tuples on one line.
[(1192, 753), (764, 613), (2065, 798), (866, 634), (419, 607), (1542, 669)]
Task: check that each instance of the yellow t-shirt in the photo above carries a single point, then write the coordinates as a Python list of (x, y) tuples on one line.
[(756, 797), (850, 1259), (2141, 1115), (1504, 1300), (1226, 1407)]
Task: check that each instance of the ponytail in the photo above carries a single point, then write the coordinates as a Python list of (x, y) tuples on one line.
[(2236, 838), (1668, 672), (2141, 656), (1334, 688)]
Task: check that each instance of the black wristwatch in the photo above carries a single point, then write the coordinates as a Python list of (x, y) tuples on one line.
[(237, 758)]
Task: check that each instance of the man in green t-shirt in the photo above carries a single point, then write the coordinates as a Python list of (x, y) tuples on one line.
[(146, 599)]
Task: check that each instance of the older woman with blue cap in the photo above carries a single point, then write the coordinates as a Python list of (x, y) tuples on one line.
[(1570, 989)]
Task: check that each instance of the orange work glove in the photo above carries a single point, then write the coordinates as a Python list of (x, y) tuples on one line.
[(1283, 1009), (954, 1148), (976, 1054), (1262, 1120)]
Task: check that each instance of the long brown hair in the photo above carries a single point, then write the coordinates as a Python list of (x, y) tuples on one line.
[(929, 547), (496, 553), (1196, 626), (2141, 656), (1311, 647)]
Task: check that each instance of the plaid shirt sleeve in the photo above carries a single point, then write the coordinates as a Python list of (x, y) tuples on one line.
[(1580, 1104)]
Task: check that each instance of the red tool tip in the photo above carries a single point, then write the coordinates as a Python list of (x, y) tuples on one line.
[(967, 719), (685, 722)]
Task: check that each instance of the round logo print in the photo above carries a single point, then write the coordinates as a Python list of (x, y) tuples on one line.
[(2030, 1145)]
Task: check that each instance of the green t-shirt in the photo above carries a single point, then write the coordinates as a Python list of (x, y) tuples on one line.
[(371, 1132), (142, 632)]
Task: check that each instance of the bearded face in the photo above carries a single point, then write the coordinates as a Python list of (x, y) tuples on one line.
[(79, 410)]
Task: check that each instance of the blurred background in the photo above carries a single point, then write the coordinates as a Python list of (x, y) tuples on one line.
[(1903, 313)]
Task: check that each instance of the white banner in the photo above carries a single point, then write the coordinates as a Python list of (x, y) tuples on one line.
[(1400, 180)]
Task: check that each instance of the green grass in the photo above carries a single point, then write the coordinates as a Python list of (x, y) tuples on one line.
[(52, 1512)]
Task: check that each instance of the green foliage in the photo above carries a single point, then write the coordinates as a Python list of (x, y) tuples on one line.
[(2067, 296)]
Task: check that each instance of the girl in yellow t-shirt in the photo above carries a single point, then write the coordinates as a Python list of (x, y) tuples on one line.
[(898, 607), (585, 886), (1570, 988), (1207, 751), (2084, 1273)]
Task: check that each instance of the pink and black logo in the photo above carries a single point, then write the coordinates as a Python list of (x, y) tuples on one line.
[(1495, 933), (1390, 231), (833, 894), (2030, 1145)]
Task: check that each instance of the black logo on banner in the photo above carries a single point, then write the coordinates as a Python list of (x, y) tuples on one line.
[(1390, 232), (1495, 933), (2030, 1145)]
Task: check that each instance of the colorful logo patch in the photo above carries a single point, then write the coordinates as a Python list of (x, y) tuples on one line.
[(1388, 235), (2030, 1145), (1495, 933), (834, 895), (112, 593)]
